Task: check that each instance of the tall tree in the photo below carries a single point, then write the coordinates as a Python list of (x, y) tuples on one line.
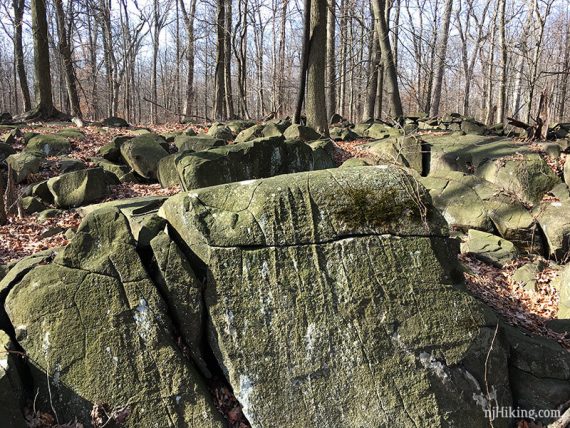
[(228, 59), (441, 55), (44, 102), (19, 52), (315, 104), (383, 34), (65, 52), (220, 87), (305, 51), (501, 105), (188, 16), (331, 58)]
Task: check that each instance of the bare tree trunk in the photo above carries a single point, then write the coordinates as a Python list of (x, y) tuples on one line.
[(372, 87), (19, 52), (316, 104), (281, 68), (380, 90), (387, 56), (441, 56), (502, 103), (304, 61), (188, 16), (219, 101), (228, 60), (564, 80), (65, 51), (44, 101), (331, 58)]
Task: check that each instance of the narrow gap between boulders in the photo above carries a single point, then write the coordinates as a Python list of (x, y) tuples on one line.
[(220, 389)]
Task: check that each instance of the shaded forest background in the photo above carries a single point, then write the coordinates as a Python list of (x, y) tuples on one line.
[(153, 61)]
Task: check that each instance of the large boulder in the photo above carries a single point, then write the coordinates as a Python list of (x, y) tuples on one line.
[(143, 153), (5, 151), (264, 157), (469, 202), (405, 151), (527, 176), (197, 143), (539, 372), (328, 296), (77, 188), (301, 132), (115, 122), (489, 248), (49, 144), (554, 220), (97, 332), (251, 133), (24, 164), (220, 131)]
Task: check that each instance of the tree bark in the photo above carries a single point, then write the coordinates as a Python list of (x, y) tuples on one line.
[(19, 53), (381, 26), (44, 101), (331, 59), (441, 56), (315, 103), (502, 103), (219, 101), (304, 61), (228, 59), (188, 17), (372, 87), (65, 51)]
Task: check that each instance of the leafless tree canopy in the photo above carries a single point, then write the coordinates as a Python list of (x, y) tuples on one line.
[(243, 58)]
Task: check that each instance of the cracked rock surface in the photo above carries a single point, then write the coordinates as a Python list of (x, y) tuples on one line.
[(331, 302), (96, 324)]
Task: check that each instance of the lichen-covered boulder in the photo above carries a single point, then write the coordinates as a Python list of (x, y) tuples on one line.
[(49, 144), (329, 295), (554, 220), (143, 153), (539, 372), (380, 131), (263, 157), (122, 173), (77, 188), (469, 202), (73, 133), (527, 176), (220, 131), (301, 132), (251, 133), (97, 331), (197, 143), (489, 248), (23, 164), (405, 151)]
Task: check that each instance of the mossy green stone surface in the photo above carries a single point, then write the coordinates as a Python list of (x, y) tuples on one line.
[(10, 388), (143, 153), (96, 324), (259, 158), (331, 301), (49, 144), (23, 164), (77, 188)]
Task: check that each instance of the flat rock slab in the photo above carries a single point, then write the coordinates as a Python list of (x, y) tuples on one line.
[(489, 248)]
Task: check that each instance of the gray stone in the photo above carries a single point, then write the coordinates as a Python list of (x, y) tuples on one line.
[(143, 153), (79, 187)]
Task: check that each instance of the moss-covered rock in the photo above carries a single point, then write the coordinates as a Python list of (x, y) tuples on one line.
[(23, 164), (32, 204), (115, 122), (220, 131), (5, 151), (79, 187), (301, 132), (527, 176), (96, 328), (405, 151), (122, 173), (197, 143), (251, 133), (73, 133), (489, 248), (143, 153), (332, 289), (263, 157), (49, 144)]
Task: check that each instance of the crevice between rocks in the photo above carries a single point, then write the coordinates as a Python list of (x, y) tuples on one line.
[(212, 373)]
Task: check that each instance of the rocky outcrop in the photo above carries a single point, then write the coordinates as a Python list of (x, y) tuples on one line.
[(143, 153), (264, 157), (97, 330), (328, 292), (79, 187)]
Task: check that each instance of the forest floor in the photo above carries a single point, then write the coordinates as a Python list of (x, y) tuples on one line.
[(532, 310)]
